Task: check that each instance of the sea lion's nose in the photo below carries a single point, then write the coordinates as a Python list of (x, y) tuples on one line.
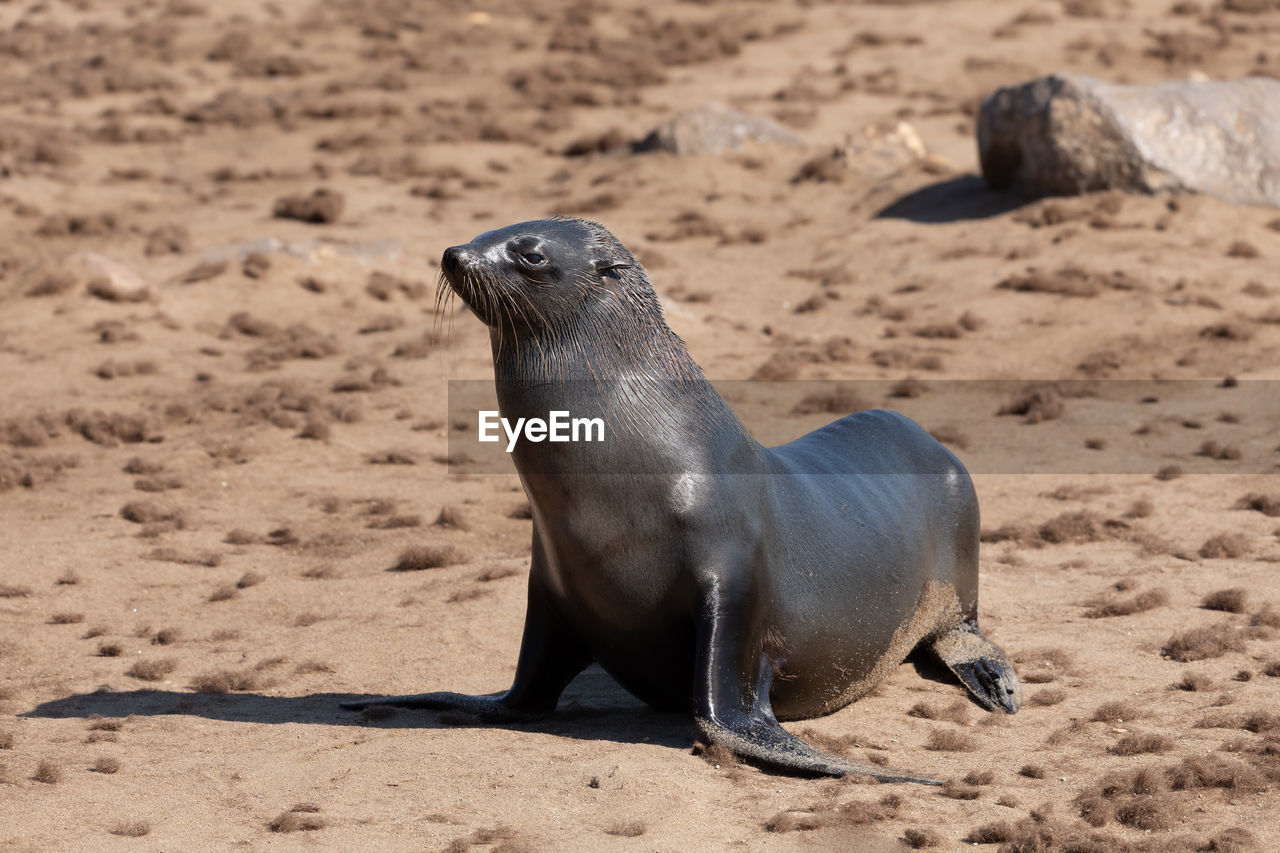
[(455, 259)]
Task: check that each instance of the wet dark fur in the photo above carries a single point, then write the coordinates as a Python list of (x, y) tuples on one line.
[(697, 567)]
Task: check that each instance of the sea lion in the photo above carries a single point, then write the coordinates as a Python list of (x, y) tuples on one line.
[(699, 568)]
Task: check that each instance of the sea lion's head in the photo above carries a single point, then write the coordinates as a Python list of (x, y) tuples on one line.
[(549, 275)]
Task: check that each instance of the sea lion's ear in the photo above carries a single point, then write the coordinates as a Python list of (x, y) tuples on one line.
[(604, 266)]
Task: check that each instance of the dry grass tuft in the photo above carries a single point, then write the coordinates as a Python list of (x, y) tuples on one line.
[(1116, 712), (919, 837), (106, 764), (840, 400), (1213, 771), (1149, 813), (393, 457), (322, 573), (468, 595), (996, 832), (1268, 505), (149, 512), (1169, 472), (7, 740), (627, 829), (423, 557), (1095, 811), (1232, 840), (66, 618), (1224, 546), (131, 828), (208, 559), (48, 773), (1032, 771), (1110, 605), (1254, 721), (452, 518), (956, 712), (908, 388), (979, 777), (1233, 600), (226, 592), (300, 818), (226, 681), (1265, 616), (249, 579), (14, 591), (497, 573), (1213, 450), (951, 436), (110, 650), (1195, 682), (1141, 744), (715, 754), (152, 670), (1048, 696), (493, 835), (1145, 781), (394, 522), (1077, 526), (1141, 508), (166, 637), (837, 744), (308, 666), (949, 740), (955, 791), (1035, 403), (242, 537), (99, 724), (1211, 641)]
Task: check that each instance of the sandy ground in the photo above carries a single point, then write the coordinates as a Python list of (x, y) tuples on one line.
[(210, 458)]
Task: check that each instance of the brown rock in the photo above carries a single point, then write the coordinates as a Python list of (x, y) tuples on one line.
[(1065, 134)]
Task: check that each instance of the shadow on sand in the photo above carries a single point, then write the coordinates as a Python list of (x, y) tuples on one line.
[(953, 200), (594, 707)]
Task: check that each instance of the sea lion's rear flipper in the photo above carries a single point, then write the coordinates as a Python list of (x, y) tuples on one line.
[(981, 666)]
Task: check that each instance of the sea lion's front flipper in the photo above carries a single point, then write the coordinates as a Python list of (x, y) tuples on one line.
[(731, 699), (550, 657), (981, 666)]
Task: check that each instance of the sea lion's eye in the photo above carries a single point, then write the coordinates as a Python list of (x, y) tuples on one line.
[(533, 259)]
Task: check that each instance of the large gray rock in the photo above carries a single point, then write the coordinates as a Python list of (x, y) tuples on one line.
[(713, 128), (1066, 133)]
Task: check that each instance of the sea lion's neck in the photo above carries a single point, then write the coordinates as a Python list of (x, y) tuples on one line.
[(595, 352), (636, 374)]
